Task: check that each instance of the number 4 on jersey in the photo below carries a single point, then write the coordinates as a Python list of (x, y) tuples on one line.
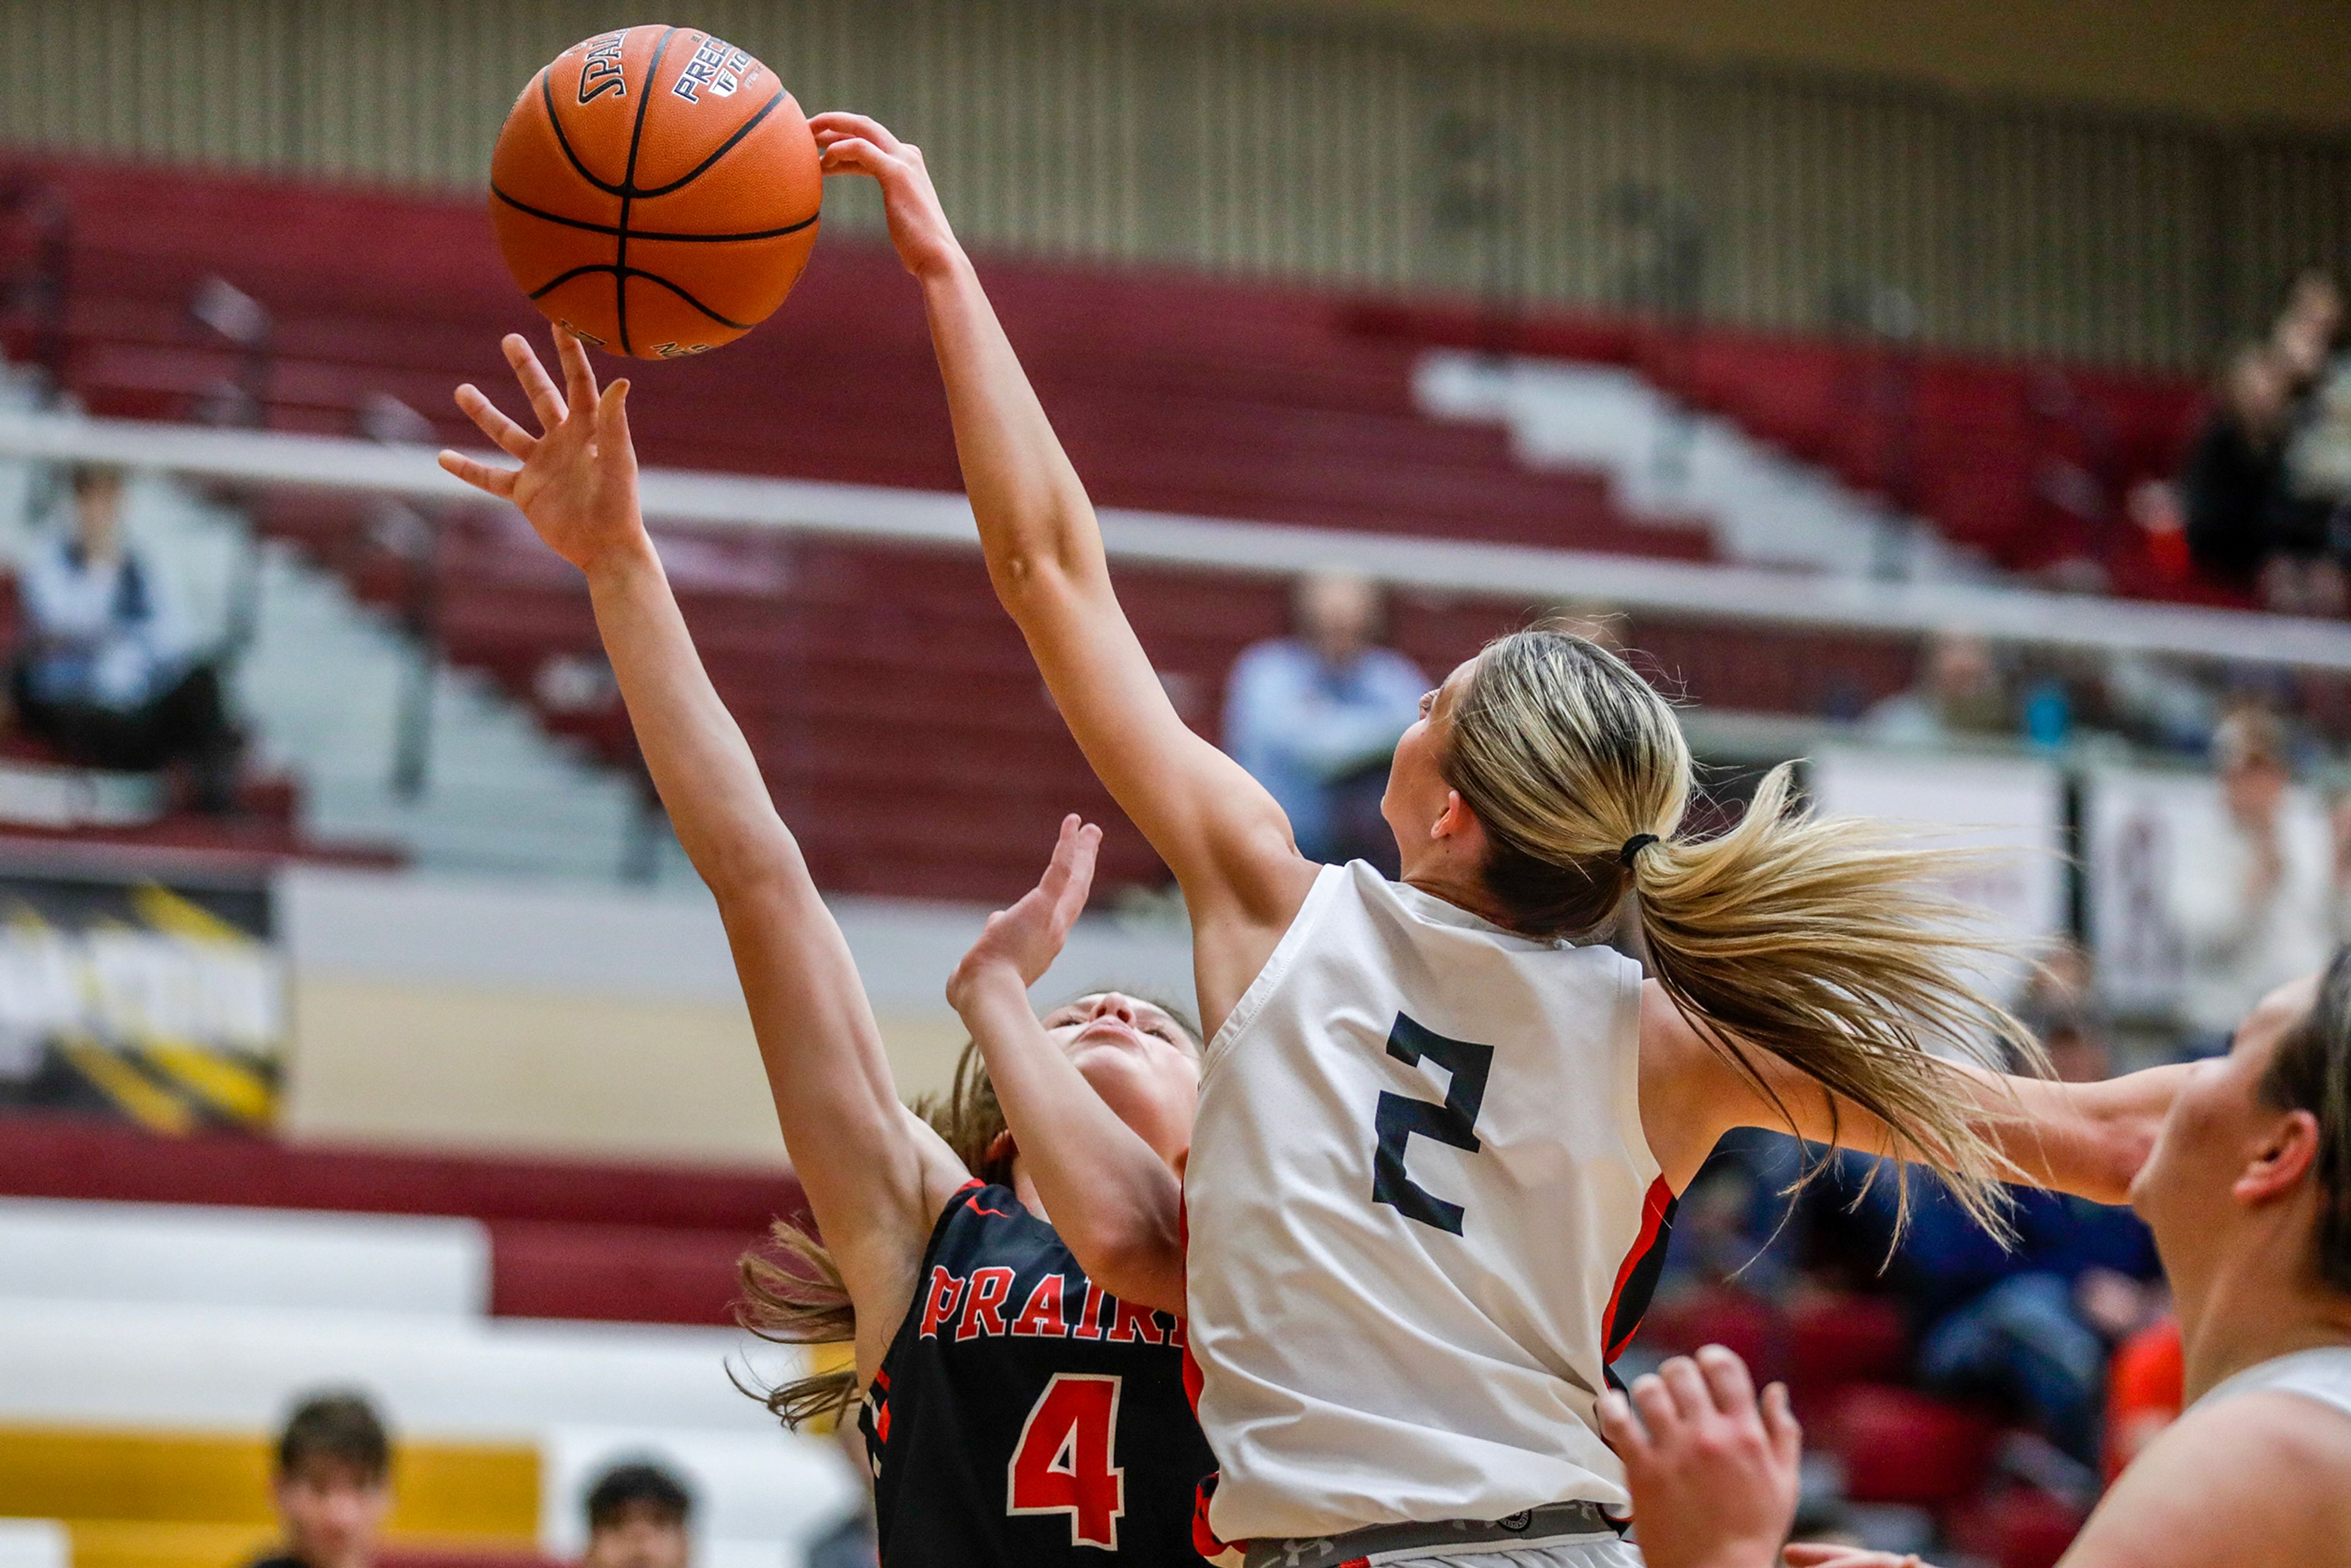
[(1064, 1462)]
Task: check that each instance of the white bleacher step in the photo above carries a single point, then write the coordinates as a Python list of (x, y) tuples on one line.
[(1666, 463), (35, 1543), (93, 1364), (325, 678), (63, 1250)]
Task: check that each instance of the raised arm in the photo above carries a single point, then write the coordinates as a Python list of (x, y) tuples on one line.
[(2086, 1139), (1224, 837), (1111, 1196), (875, 1176)]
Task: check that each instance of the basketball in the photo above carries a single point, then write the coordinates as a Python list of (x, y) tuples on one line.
[(656, 191)]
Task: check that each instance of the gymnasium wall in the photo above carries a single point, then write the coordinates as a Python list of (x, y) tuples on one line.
[(457, 1014), (1359, 147)]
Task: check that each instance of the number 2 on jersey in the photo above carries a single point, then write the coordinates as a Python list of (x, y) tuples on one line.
[(1065, 1461), (1453, 1124)]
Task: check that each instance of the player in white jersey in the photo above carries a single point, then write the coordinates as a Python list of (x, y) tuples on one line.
[(2249, 1195), (1438, 1144)]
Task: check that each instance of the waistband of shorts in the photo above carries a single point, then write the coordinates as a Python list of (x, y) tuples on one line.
[(1552, 1524)]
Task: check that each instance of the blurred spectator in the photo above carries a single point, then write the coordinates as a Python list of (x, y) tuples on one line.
[(106, 675), (638, 1516), (331, 1484), (1958, 694), (1314, 718), (2229, 489), (2253, 894), (2144, 1387), (2309, 342)]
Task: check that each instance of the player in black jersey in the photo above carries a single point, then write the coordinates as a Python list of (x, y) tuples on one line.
[(1018, 1414)]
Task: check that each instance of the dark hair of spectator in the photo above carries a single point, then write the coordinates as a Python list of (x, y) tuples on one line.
[(2311, 1072), (637, 1485), (340, 1427), (89, 476)]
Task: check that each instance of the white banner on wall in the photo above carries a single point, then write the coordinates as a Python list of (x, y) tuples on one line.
[(2015, 805), (2133, 822)]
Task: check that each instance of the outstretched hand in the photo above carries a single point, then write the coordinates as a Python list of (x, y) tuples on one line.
[(1712, 1472), (1028, 936), (577, 482), (858, 144)]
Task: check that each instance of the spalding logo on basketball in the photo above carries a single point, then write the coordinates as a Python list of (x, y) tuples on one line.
[(655, 190)]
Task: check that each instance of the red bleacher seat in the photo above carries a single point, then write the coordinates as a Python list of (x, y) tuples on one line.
[(1836, 1340), (568, 1238), (1997, 453), (1721, 1315), (2015, 1527), (1903, 1447), (894, 708)]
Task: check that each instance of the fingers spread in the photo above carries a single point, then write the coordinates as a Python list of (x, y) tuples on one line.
[(1725, 1379), (512, 438), (612, 444), (1084, 848), (498, 482), (1655, 1401), (1688, 1386), (544, 400), (1780, 1424), (579, 376), (1623, 1428)]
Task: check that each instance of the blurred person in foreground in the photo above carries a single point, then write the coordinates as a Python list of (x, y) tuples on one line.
[(2251, 891), (1956, 694), (105, 674), (1314, 717), (332, 1483), (638, 1516), (2248, 1189)]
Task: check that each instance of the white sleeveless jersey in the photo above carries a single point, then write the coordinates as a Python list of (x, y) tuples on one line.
[(2323, 1375), (1422, 1217)]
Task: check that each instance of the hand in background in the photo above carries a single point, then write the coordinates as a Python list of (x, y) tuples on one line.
[(1028, 936), (577, 482), (1713, 1473)]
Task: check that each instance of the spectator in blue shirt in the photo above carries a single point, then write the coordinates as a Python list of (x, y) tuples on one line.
[(1314, 718), (106, 672)]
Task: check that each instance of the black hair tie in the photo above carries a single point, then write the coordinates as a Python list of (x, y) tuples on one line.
[(1633, 846)]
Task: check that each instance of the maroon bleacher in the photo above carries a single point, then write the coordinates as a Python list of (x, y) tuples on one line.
[(568, 1238), (895, 710), (2028, 462)]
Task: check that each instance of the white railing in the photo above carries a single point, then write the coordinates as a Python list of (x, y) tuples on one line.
[(1521, 574)]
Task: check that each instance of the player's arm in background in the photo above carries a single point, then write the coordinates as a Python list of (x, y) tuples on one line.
[(875, 1176), (2085, 1139), (1113, 1200), (1219, 831)]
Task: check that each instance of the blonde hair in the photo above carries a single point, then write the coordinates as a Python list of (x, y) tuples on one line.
[(792, 1290), (1818, 941)]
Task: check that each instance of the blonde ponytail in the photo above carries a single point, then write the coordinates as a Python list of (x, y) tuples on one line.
[(1818, 941)]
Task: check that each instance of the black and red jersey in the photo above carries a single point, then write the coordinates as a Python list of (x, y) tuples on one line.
[(1023, 1416)]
